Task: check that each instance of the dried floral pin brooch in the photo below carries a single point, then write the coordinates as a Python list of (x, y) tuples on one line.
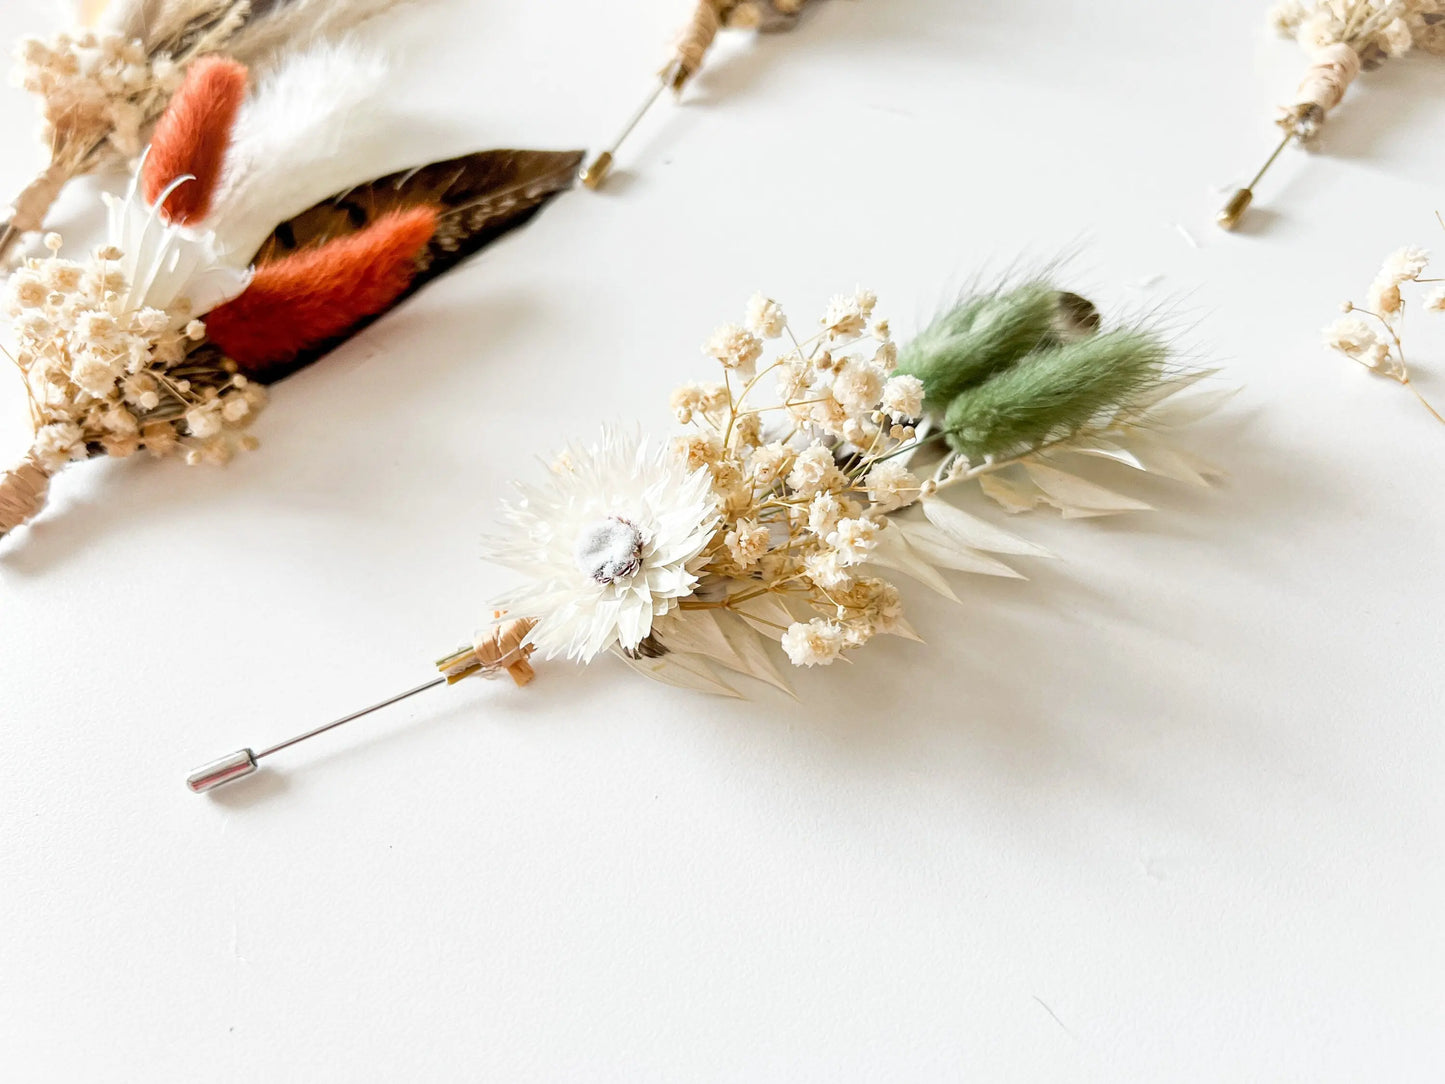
[(810, 471), (688, 55), (230, 264), (103, 85), (1342, 38)]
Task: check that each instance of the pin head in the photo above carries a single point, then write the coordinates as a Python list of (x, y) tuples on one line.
[(1233, 211), (239, 764), (596, 171)]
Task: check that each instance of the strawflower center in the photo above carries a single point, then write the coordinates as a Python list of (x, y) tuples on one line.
[(609, 550)]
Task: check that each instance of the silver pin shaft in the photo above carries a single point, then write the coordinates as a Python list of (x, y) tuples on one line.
[(242, 763)]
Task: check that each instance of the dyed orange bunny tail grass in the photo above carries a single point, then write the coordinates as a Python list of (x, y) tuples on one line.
[(304, 300), (192, 136)]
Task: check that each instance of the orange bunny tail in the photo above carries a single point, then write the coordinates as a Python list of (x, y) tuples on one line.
[(318, 294), (192, 136)]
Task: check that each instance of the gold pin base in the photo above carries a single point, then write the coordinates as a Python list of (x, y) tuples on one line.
[(596, 171), (1228, 218)]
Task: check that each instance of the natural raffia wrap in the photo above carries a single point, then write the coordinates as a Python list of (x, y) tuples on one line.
[(1323, 87), (710, 16), (503, 647), (22, 493)]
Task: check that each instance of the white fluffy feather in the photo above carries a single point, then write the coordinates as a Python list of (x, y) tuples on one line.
[(295, 24), (309, 130)]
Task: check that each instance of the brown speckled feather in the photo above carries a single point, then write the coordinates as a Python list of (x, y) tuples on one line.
[(478, 198)]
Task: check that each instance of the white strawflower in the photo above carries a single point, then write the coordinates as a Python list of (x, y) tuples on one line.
[(735, 347), (1350, 335), (765, 317), (1435, 300), (903, 396), (816, 643), (891, 485), (607, 546)]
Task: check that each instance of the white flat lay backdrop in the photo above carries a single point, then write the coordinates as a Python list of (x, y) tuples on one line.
[(1171, 810)]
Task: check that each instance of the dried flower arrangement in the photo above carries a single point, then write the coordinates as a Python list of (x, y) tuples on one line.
[(1372, 334), (776, 517), (225, 269), (1342, 38), (102, 89), (693, 44)]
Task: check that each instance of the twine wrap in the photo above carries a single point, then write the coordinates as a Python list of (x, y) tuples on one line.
[(22, 493), (1334, 68), (710, 16), (694, 42), (501, 648)]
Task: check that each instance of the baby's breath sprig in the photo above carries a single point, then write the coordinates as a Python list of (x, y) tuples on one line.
[(810, 485), (1372, 334), (108, 378)]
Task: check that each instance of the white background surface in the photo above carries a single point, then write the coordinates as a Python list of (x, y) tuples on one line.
[(1172, 810)]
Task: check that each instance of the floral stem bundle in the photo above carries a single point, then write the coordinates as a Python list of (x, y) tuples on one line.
[(102, 89), (691, 50), (1342, 38), (224, 269), (811, 470)]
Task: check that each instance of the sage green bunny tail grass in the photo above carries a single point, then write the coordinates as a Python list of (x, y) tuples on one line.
[(979, 337), (1053, 393)]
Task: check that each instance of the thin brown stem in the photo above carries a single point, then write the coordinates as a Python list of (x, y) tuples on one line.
[(1423, 401)]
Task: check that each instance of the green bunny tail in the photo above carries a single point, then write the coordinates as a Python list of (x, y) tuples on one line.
[(979, 337), (1053, 392)]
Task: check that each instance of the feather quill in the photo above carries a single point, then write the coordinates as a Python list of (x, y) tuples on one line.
[(308, 131)]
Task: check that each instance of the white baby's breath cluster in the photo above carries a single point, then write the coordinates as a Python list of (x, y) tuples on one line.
[(99, 92), (106, 376), (1376, 29), (1372, 334), (805, 480)]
